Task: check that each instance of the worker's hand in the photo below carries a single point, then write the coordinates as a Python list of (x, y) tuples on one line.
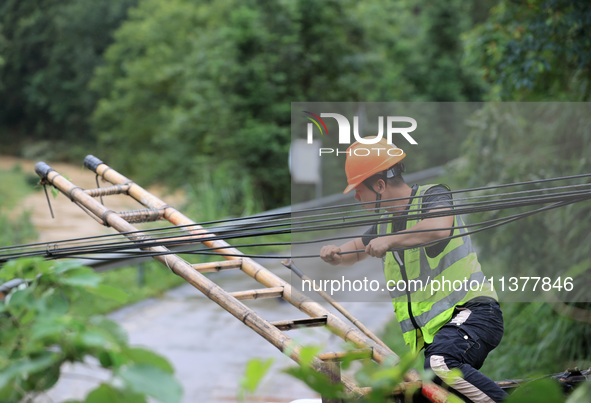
[(378, 247), (330, 254)]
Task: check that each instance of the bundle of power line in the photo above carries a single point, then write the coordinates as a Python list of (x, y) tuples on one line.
[(352, 217)]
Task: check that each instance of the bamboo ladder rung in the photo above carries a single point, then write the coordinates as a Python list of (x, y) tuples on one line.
[(108, 191), (142, 215), (299, 323), (271, 292), (217, 266), (357, 354)]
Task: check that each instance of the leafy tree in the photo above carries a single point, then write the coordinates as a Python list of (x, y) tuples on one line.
[(49, 51), (535, 50), (206, 88), (519, 142)]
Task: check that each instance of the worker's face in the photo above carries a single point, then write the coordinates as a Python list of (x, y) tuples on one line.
[(364, 194)]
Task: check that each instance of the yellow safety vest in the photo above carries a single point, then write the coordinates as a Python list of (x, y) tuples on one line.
[(425, 290)]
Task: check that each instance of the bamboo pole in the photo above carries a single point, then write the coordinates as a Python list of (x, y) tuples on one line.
[(348, 333), (182, 268)]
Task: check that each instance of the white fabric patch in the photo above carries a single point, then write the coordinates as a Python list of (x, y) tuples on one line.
[(461, 317), (441, 369)]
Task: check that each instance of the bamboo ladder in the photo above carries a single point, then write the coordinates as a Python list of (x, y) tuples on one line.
[(274, 286)]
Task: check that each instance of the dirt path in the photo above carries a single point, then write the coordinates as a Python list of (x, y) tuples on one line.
[(70, 220)]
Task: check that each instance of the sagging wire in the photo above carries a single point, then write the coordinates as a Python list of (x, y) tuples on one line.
[(283, 216), (111, 247), (302, 226), (212, 250), (488, 224), (367, 219)]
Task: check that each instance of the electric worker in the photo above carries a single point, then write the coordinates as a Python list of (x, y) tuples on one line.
[(450, 309)]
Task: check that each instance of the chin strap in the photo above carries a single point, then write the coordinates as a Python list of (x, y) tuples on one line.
[(378, 198), (391, 172), (378, 201)]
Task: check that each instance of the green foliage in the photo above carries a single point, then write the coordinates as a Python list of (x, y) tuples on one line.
[(315, 380), (141, 282), (254, 373), (510, 144), (192, 91), (16, 231), (581, 394), (39, 332), (49, 51), (15, 186), (383, 379), (519, 142), (437, 73), (543, 390), (535, 50), (537, 341)]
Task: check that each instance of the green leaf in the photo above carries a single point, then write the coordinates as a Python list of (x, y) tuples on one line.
[(543, 390), (581, 394), (25, 268), (317, 381), (307, 355), (26, 366), (45, 379), (63, 266), (48, 327), (111, 359), (152, 381), (256, 369), (117, 333), (107, 393), (83, 277), (56, 305), (109, 292), (20, 300), (143, 356), (94, 338)]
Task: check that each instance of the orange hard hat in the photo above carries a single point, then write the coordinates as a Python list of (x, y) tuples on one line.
[(366, 160)]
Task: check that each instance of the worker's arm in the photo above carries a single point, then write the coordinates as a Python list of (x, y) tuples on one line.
[(440, 226), (331, 253)]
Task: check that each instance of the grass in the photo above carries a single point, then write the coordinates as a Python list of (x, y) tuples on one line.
[(15, 185)]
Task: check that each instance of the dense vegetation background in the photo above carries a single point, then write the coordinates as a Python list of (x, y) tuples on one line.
[(165, 90)]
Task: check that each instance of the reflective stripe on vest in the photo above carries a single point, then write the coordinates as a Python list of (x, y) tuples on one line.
[(432, 308), (440, 306), (428, 272)]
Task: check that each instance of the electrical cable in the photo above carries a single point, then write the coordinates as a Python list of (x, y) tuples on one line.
[(358, 205), (60, 253), (297, 229), (297, 226), (210, 251)]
